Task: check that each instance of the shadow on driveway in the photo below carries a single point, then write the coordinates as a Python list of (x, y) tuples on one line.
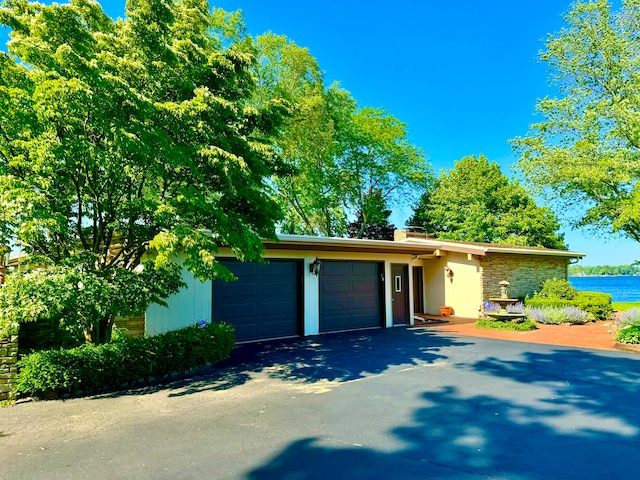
[(337, 357), (552, 414)]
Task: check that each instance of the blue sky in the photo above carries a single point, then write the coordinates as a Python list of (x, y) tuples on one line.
[(463, 75)]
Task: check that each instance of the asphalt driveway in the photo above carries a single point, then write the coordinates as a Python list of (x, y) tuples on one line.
[(396, 403)]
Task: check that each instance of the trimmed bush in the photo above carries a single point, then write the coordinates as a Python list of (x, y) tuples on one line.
[(595, 303), (525, 326), (124, 361), (629, 334), (556, 288)]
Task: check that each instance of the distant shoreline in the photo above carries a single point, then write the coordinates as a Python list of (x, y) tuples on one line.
[(604, 275)]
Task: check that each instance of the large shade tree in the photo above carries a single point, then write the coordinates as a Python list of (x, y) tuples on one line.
[(585, 151), (121, 136), (475, 202), (341, 151)]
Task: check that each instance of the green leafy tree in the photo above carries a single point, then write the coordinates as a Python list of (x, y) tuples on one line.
[(475, 202), (339, 150), (372, 222), (585, 152), (312, 198), (121, 136), (379, 162)]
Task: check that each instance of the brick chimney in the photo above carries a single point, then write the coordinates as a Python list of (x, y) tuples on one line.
[(411, 232)]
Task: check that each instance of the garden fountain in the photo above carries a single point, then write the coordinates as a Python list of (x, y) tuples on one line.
[(504, 301)]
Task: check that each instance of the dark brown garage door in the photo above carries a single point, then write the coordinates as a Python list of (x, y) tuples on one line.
[(350, 296), (263, 303)]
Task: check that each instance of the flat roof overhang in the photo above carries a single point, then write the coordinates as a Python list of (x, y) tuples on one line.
[(417, 247), (332, 244)]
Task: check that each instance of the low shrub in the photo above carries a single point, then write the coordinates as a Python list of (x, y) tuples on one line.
[(124, 361), (595, 303), (525, 326), (556, 288), (629, 334), (558, 315)]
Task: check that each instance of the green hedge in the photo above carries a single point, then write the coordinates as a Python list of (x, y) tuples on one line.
[(124, 361), (596, 303)]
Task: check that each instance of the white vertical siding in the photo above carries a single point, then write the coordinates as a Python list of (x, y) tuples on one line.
[(190, 305)]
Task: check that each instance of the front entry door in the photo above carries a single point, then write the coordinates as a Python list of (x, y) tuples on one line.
[(400, 294)]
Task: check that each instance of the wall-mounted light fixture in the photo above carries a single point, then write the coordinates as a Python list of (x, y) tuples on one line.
[(449, 273), (314, 267)]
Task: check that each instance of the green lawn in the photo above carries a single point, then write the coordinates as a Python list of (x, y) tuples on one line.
[(622, 306)]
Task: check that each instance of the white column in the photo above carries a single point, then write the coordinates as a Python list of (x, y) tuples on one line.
[(311, 299), (388, 298), (411, 294)]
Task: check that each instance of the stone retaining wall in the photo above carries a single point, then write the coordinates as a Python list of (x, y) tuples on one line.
[(526, 273), (8, 367)]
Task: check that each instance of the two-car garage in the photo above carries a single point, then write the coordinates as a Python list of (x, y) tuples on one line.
[(267, 299)]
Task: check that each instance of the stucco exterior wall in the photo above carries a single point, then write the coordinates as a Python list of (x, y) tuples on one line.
[(462, 291), (526, 273)]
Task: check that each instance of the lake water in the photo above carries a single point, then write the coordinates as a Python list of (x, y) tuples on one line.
[(621, 288)]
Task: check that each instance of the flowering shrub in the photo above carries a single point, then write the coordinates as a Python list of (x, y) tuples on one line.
[(516, 308), (557, 316), (629, 318), (490, 307)]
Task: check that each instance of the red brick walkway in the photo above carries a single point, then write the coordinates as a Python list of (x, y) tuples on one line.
[(598, 335)]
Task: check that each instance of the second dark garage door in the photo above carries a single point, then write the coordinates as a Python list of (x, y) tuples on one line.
[(263, 303), (350, 296)]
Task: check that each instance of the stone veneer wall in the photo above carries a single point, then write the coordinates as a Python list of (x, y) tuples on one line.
[(526, 273), (8, 367), (133, 324)]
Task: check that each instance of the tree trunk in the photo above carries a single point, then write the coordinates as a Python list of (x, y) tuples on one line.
[(99, 331)]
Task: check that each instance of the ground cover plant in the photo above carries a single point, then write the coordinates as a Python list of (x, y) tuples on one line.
[(629, 334), (124, 361), (489, 324)]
